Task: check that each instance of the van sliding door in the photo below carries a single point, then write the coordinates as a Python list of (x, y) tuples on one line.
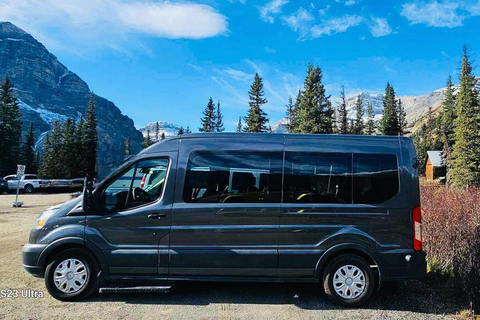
[(226, 214)]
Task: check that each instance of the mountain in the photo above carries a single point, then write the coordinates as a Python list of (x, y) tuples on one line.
[(48, 91), (416, 107), (169, 128)]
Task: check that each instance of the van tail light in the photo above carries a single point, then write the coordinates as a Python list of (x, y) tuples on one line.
[(417, 229), (142, 183)]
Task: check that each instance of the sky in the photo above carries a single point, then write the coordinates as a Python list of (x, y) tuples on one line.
[(163, 60)]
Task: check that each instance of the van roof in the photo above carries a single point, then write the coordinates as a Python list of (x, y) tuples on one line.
[(169, 142), (277, 135)]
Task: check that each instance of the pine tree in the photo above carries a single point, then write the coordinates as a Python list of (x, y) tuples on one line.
[(52, 163), (44, 169), (256, 119), (180, 131), (421, 144), (448, 114), (187, 131), (342, 113), (370, 125), (313, 109), (147, 141), (157, 131), (81, 163), (91, 138), (163, 135), (69, 151), (28, 150), (402, 118), (219, 125), (10, 129), (358, 126), (37, 161), (430, 127), (290, 115), (351, 127), (239, 124), (127, 147), (466, 151), (389, 123), (208, 120)]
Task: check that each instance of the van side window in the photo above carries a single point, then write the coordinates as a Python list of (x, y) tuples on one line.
[(318, 178), (233, 177), (375, 178), (140, 184)]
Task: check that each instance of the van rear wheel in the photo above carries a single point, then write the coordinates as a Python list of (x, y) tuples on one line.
[(348, 281), (72, 275), (28, 188)]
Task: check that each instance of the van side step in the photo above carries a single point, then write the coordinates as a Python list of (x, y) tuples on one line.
[(139, 289)]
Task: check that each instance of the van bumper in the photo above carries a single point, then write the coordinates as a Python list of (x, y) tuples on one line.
[(403, 264), (30, 256)]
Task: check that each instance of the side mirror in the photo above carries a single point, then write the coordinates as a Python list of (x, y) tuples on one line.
[(87, 196)]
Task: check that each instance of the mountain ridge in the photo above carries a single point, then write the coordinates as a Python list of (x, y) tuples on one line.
[(47, 91)]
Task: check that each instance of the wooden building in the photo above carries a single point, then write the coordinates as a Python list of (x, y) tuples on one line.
[(434, 165)]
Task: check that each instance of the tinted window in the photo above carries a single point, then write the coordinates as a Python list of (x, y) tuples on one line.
[(140, 184), (318, 178), (233, 177), (375, 178)]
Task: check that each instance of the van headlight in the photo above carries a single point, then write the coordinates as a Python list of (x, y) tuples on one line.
[(44, 217)]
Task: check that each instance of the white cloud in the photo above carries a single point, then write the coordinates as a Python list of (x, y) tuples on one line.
[(255, 67), (350, 2), (111, 22), (323, 11), (335, 25), (433, 13), (270, 50), (270, 9), (379, 27), (295, 21), (195, 67), (238, 74)]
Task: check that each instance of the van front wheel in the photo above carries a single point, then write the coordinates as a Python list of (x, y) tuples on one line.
[(72, 275), (348, 281)]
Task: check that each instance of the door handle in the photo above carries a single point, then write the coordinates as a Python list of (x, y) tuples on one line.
[(157, 215)]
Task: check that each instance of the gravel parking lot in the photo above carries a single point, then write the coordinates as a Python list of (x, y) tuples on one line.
[(426, 299)]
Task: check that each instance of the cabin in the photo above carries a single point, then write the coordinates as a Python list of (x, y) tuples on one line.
[(434, 165)]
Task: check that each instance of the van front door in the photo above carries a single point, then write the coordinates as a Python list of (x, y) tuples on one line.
[(132, 223), (226, 214)]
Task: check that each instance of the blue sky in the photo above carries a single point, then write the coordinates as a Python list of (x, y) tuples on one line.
[(159, 60)]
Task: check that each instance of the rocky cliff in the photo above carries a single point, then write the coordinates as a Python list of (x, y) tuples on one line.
[(48, 91)]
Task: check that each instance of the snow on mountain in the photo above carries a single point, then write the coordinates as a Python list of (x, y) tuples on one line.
[(47, 116), (168, 128)]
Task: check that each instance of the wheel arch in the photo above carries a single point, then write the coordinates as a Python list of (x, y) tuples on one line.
[(349, 248), (72, 242)]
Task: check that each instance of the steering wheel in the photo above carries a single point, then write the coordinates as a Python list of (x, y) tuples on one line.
[(141, 195)]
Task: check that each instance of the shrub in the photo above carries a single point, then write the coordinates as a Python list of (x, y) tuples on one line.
[(451, 235)]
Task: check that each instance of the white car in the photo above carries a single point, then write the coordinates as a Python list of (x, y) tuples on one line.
[(28, 182)]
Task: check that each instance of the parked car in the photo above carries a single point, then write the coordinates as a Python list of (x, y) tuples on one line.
[(28, 182), (3, 186), (339, 210)]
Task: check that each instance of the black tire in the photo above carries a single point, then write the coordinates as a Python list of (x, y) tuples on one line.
[(28, 188), (343, 261), (91, 265)]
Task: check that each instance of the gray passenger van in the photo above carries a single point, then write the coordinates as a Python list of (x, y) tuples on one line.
[(339, 210)]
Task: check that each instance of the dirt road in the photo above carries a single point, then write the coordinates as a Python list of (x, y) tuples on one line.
[(406, 300)]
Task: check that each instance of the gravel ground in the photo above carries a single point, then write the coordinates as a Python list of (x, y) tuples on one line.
[(426, 299)]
